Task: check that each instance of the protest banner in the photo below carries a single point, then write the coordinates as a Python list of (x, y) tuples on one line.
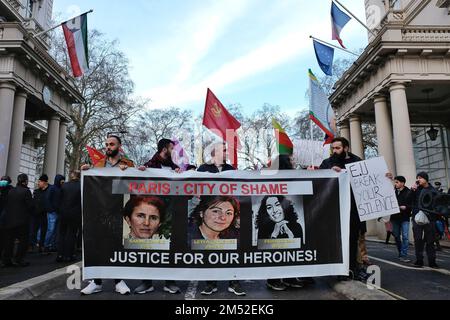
[(374, 192), (200, 226)]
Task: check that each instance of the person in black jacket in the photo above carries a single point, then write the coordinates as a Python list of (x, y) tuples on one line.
[(400, 221), (218, 164), (5, 186), (423, 234), (342, 156), (39, 219), (19, 208), (70, 218), (53, 199)]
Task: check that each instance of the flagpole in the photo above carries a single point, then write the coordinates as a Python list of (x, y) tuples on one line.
[(312, 141), (53, 28), (356, 18), (332, 45)]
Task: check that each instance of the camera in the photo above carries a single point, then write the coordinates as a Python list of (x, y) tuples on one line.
[(435, 202)]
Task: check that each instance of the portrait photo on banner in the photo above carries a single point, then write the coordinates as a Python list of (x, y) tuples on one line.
[(214, 222), (147, 222), (278, 222)]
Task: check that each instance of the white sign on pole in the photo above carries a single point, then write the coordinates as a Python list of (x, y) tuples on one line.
[(373, 191)]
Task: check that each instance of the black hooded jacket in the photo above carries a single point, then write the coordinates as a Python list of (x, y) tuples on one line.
[(53, 196), (19, 207)]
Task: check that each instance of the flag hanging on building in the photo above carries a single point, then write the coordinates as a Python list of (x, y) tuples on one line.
[(320, 110), (76, 34), (338, 21), (325, 57), (219, 120), (95, 155), (284, 143)]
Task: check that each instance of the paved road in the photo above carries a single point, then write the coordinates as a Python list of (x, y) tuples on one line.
[(191, 291), (408, 282), (398, 279), (39, 264)]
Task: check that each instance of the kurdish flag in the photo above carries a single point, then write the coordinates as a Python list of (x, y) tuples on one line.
[(76, 34), (320, 111), (285, 145)]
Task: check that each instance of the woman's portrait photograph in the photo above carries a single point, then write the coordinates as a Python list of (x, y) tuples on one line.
[(278, 217), (214, 219), (146, 223)]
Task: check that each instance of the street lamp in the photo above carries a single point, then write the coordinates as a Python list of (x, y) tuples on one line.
[(433, 132)]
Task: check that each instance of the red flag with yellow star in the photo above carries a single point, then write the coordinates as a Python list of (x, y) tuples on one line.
[(218, 119), (95, 155)]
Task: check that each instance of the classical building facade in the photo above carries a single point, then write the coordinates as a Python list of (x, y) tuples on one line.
[(401, 82), (36, 94)]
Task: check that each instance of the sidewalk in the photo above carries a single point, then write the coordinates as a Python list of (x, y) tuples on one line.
[(40, 264)]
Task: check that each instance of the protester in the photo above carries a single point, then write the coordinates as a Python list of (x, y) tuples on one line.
[(53, 197), (341, 157), (70, 217), (218, 163), (423, 234), (5, 186), (39, 219), (400, 221), (18, 210), (163, 160), (113, 160), (283, 162), (363, 255), (163, 157), (388, 228), (440, 221), (440, 231)]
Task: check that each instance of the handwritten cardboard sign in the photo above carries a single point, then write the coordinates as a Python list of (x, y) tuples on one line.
[(373, 191)]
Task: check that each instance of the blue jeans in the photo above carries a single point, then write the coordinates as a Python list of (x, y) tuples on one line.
[(50, 237), (402, 240)]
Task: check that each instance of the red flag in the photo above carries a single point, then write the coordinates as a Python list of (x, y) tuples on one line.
[(218, 119), (95, 155)]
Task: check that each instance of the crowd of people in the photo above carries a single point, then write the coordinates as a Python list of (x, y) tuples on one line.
[(49, 220), (45, 221)]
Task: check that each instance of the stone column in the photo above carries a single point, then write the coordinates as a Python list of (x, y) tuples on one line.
[(356, 144), (345, 130), (17, 128), (51, 148), (7, 91), (384, 132), (403, 146), (60, 168)]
